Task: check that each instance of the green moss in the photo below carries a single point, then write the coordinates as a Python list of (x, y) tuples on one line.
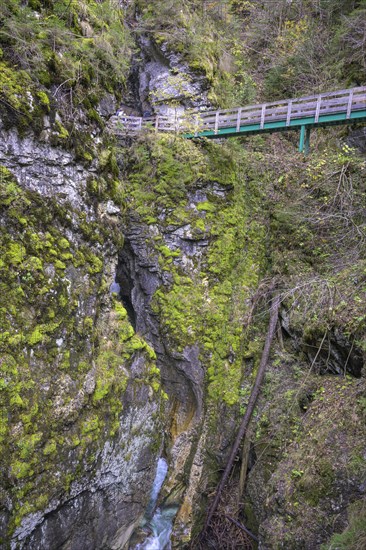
[(87, 156), (63, 243), (206, 207), (121, 312), (78, 259), (200, 225), (43, 98), (16, 400), (95, 264), (16, 87), (90, 425), (15, 254), (21, 469), (167, 252), (26, 444), (88, 324), (201, 308), (41, 332), (61, 131), (50, 448), (59, 265)]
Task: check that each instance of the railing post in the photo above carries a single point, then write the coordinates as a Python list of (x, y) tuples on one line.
[(156, 123), (217, 121), (349, 106), (238, 120), (263, 115), (317, 110), (289, 108)]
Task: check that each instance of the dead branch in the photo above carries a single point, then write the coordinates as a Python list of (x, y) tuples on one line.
[(242, 527)]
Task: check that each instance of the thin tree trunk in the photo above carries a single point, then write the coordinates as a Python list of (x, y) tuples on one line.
[(250, 408), (244, 465)]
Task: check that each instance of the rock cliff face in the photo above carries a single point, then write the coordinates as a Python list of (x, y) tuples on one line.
[(80, 392), (49, 171), (87, 429), (104, 505), (140, 275), (86, 426), (170, 277)]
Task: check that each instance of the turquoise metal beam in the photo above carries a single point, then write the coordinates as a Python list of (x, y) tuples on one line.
[(307, 141), (304, 141), (302, 138), (278, 126)]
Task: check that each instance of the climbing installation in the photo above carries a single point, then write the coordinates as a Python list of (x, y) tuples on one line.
[(304, 113)]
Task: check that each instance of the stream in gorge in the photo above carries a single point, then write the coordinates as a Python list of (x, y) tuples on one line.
[(158, 521)]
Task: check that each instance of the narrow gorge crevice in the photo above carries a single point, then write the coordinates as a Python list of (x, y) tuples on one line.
[(139, 276)]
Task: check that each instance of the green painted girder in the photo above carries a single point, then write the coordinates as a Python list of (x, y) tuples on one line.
[(281, 126)]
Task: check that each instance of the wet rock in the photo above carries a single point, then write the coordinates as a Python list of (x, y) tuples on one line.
[(107, 105)]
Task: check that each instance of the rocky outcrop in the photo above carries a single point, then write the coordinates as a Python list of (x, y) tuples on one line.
[(328, 349), (156, 256), (357, 139), (163, 82), (50, 171)]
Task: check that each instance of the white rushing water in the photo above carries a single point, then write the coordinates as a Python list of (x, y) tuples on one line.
[(114, 288), (160, 524)]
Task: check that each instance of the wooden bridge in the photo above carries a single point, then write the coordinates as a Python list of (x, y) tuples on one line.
[(304, 113)]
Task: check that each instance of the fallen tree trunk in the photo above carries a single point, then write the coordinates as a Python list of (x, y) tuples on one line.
[(250, 408)]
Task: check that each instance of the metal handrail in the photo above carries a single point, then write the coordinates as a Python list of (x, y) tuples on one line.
[(340, 101)]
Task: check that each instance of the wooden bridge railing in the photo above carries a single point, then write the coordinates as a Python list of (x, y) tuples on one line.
[(286, 111)]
